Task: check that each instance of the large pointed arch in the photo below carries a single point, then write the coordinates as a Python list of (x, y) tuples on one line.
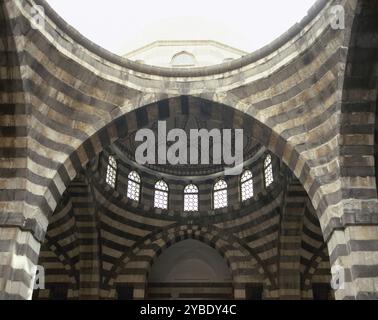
[(286, 95)]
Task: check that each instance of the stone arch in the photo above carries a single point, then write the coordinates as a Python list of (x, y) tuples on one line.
[(69, 271), (206, 82), (163, 109), (277, 143), (193, 263), (140, 117), (310, 271), (65, 260), (331, 188), (226, 245)]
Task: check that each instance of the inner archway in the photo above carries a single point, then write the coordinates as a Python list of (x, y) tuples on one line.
[(190, 269), (120, 225)]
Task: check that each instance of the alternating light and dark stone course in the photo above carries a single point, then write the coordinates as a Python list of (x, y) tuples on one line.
[(309, 98)]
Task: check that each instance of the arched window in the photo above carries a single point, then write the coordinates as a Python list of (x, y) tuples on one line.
[(246, 181), (190, 198), (161, 195), (111, 172), (220, 195), (133, 186), (268, 171), (183, 59)]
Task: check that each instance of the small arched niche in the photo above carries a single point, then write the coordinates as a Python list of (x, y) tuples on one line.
[(183, 59), (190, 269)]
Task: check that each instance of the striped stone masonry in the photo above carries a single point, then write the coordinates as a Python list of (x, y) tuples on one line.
[(309, 98)]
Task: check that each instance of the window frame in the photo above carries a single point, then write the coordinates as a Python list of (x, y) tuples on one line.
[(163, 191), (270, 167), (216, 191), (136, 182), (191, 193), (244, 182), (109, 167)]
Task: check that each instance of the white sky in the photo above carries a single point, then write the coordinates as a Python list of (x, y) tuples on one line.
[(122, 25)]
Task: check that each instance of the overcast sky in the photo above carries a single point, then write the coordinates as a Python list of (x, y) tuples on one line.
[(122, 25)]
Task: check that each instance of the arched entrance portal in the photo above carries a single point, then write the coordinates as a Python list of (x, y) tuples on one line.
[(190, 269), (75, 100), (120, 226)]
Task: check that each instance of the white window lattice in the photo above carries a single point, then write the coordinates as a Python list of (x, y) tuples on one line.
[(133, 186), (161, 195), (268, 171), (111, 172), (246, 185), (190, 198), (220, 195)]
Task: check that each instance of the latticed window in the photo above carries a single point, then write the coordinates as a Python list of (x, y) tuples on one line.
[(133, 186), (220, 195), (161, 195), (268, 171), (190, 198), (111, 172), (246, 185)]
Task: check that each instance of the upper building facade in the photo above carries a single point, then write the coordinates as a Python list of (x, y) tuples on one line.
[(185, 54)]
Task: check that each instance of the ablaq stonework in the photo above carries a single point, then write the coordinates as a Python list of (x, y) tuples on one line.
[(300, 220)]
